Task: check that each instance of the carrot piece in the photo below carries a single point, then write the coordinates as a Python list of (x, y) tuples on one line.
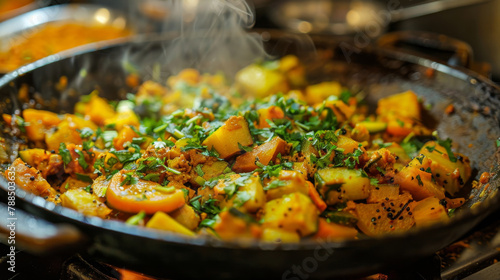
[(331, 231), (140, 196), (318, 201), (264, 154)]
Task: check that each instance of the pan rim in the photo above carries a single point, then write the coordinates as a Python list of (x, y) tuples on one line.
[(484, 208)]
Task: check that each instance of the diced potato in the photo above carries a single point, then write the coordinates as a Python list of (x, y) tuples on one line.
[(122, 119), (229, 226), (98, 109), (226, 138), (210, 169), (374, 126), (214, 169), (46, 162), (71, 183), (416, 179), (162, 221), (342, 184), (189, 75), (342, 111), (293, 212), (402, 158), (66, 132), (208, 193), (429, 211), (308, 149), (296, 94), (270, 113), (318, 93), (85, 203), (332, 231), (186, 216), (79, 122), (251, 196), (348, 144), (39, 122), (150, 89), (399, 126), (301, 167), (403, 104), (30, 179), (294, 70), (385, 217), (260, 82), (382, 192), (360, 133), (33, 156), (279, 236), (451, 175), (264, 154), (289, 181)]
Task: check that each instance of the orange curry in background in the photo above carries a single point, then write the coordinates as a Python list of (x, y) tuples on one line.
[(7, 6), (53, 38)]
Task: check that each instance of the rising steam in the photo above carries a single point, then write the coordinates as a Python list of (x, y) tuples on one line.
[(208, 35)]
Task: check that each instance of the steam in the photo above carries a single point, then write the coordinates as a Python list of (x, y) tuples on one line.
[(208, 35)]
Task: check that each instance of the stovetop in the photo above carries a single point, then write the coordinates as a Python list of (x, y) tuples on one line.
[(475, 257)]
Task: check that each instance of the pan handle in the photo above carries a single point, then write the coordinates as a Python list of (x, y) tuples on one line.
[(35, 235), (434, 46)]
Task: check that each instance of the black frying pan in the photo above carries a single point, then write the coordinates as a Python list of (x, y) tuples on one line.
[(374, 70)]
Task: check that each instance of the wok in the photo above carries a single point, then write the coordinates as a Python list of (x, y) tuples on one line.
[(374, 70)]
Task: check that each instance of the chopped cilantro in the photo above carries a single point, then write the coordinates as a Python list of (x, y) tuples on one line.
[(81, 159), (420, 183), (241, 198), (88, 189), (199, 171), (136, 219), (83, 177), (275, 184), (400, 122), (447, 145), (129, 180), (65, 154), (85, 132), (244, 148)]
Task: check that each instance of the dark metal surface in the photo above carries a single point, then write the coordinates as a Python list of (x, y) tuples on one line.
[(474, 127)]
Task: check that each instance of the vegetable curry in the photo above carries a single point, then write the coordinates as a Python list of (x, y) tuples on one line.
[(196, 156), (52, 38)]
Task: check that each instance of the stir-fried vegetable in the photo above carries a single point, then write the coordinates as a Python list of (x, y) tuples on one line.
[(199, 157)]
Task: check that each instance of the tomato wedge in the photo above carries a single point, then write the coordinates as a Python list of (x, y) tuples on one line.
[(142, 196)]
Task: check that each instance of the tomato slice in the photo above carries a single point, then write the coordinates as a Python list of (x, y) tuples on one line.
[(141, 196)]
